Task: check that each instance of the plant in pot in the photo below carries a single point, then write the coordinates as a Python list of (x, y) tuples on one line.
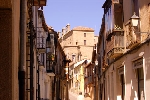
[(52, 57)]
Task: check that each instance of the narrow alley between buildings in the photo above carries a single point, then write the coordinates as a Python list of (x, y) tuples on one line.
[(39, 62)]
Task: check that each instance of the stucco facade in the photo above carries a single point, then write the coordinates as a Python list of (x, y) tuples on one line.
[(124, 74), (15, 86), (78, 43), (78, 76), (89, 80), (9, 23)]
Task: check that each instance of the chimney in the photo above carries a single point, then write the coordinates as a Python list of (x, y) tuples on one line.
[(63, 31), (67, 28)]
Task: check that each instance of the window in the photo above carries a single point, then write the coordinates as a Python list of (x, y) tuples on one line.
[(73, 58), (140, 84), (138, 67), (84, 42), (76, 43), (119, 39), (123, 86), (95, 46), (108, 19), (68, 55), (84, 34)]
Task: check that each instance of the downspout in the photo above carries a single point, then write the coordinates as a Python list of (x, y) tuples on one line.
[(37, 70), (22, 62)]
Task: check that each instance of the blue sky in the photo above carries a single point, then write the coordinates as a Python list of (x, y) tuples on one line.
[(88, 13)]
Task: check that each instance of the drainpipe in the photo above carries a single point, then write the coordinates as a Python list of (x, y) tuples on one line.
[(22, 62)]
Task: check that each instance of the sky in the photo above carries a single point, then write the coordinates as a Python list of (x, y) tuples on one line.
[(87, 13)]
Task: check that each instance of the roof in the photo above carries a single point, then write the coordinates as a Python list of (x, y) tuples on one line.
[(81, 28), (88, 64), (45, 26), (80, 62)]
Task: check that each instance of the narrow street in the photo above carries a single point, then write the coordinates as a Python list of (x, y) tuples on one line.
[(72, 96), (74, 49)]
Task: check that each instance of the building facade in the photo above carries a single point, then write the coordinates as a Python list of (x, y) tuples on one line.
[(28, 55), (78, 76), (9, 13), (123, 50), (78, 43), (89, 80)]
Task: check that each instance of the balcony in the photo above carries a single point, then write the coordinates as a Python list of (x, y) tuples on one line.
[(41, 44), (41, 60), (50, 68), (115, 45), (113, 16), (133, 39), (50, 55), (115, 52), (133, 44)]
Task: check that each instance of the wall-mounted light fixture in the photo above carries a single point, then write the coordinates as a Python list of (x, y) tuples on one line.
[(134, 20)]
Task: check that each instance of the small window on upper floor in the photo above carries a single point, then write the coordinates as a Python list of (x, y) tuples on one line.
[(76, 43), (95, 46), (84, 42), (84, 34), (74, 58), (149, 8)]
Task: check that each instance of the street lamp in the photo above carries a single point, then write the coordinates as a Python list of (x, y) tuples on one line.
[(134, 20)]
